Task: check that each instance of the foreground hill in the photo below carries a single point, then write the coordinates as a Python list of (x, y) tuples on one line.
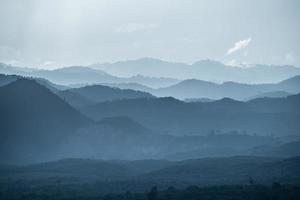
[(207, 171), (232, 170), (279, 116), (33, 119)]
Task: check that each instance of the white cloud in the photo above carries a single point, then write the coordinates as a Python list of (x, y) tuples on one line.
[(242, 44), (236, 63), (233, 63), (134, 27)]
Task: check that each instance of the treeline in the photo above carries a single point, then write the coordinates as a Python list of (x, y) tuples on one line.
[(235, 192)]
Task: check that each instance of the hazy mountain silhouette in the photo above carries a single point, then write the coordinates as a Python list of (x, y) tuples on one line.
[(132, 86), (204, 100), (290, 85), (33, 119), (208, 70), (99, 93), (84, 75), (120, 138), (40, 125), (274, 94), (141, 70), (6, 79), (74, 99), (168, 115), (202, 89), (125, 124)]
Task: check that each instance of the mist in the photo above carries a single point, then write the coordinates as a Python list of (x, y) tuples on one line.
[(149, 100), (52, 34)]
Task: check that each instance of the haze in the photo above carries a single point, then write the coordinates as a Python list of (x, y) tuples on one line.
[(51, 34)]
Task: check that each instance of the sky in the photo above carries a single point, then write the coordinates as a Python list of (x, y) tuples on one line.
[(53, 33)]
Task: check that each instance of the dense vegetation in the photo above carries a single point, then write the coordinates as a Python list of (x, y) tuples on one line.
[(275, 191)]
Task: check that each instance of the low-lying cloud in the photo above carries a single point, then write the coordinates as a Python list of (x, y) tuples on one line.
[(242, 44)]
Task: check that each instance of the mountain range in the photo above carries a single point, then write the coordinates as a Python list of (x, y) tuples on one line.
[(187, 89), (171, 116), (153, 72), (40, 121), (207, 70), (202, 89), (82, 75), (92, 94)]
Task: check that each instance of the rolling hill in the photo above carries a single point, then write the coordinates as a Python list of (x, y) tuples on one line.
[(231, 170), (203, 172), (264, 116), (99, 93)]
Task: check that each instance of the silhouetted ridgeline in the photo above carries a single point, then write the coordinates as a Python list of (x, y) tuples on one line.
[(168, 115), (38, 125), (202, 89), (208, 70), (98, 93), (33, 119)]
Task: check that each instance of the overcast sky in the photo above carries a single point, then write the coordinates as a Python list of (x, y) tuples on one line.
[(48, 33)]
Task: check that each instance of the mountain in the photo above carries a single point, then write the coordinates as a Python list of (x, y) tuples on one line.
[(88, 95), (152, 82), (82, 75), (75, 74), (193, 88), (125, 124), (150, 72), (119, 138), (274, 94), (145, 66), (99, 93), (207, 70), (6, 79), (290, 85), (131, 86), (74, 99), (264, 116), (34, 121), (204, 100)]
